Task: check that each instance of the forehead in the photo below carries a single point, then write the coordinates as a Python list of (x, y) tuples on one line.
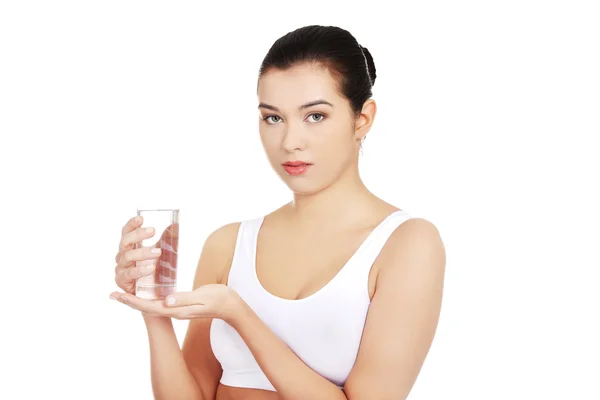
[(297, 85)]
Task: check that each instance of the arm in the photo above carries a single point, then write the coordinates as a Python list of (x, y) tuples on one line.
[(171, 378), (191, 372), (290, 376), (212, 268), (403, 315), (399, 330)]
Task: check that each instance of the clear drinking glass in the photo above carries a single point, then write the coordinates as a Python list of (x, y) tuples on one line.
[(163, 280)]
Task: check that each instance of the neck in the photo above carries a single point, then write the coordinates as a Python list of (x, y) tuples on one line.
[(346, 197)]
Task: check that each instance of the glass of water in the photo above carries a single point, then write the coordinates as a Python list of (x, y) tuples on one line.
[(163, 280)]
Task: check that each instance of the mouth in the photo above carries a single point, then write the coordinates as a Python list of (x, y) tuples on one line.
[(296, 167), (296, 164)]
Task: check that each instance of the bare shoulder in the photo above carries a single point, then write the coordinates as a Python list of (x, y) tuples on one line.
[(403, 314), (416, 243), (223, 238), (217, 254), (417, 226)]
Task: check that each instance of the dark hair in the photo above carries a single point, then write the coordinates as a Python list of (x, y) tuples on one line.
[(334, 48)]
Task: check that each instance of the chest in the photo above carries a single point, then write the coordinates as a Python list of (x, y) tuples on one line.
[(294, 266), (324, 330)]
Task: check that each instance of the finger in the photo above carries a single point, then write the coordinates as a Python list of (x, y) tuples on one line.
[(155, 307), (132, 224), (180, 299), (133, 273), (137, 255), (139, 263), (130, 239), (115, 295), (127, 272)]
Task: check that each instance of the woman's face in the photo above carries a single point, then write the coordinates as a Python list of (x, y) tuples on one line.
[(326, 136)]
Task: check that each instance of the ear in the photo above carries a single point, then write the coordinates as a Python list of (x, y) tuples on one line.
[(365, 119)]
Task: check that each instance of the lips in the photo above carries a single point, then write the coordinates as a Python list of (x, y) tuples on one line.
[(295, 163), (296, 167)]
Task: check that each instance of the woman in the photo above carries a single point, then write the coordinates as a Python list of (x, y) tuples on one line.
[(335, 295)]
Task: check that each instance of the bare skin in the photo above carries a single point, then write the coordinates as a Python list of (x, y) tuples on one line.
[(279, 245), (301, 247)]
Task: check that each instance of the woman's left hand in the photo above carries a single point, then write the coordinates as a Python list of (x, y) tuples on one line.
[(208, 301)]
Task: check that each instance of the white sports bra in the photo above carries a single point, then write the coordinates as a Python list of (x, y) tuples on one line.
[(323, 329)]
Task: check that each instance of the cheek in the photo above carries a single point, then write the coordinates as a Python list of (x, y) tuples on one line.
[(334, 145), (267, 139), (271, 147)]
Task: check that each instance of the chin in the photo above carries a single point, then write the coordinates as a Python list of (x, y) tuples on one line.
[(301, 186)]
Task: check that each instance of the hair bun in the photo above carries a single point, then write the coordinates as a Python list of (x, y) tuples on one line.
[(370, 64)]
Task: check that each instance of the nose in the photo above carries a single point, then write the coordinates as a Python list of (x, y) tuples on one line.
[(293, 139)]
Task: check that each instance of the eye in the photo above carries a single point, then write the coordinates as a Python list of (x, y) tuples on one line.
[(266, 118), (322, 117), (317, 117)]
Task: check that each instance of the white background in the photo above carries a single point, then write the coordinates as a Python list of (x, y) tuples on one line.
[(487, 125)]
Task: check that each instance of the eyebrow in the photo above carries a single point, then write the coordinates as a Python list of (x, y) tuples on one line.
[(307, 105)]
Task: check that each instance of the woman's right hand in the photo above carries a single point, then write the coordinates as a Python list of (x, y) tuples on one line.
[(133, 263)]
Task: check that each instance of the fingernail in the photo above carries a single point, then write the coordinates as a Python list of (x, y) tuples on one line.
[(150, 267), (149, 230), (170, 301), (138, 219), (155, 251), (113, 297)]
